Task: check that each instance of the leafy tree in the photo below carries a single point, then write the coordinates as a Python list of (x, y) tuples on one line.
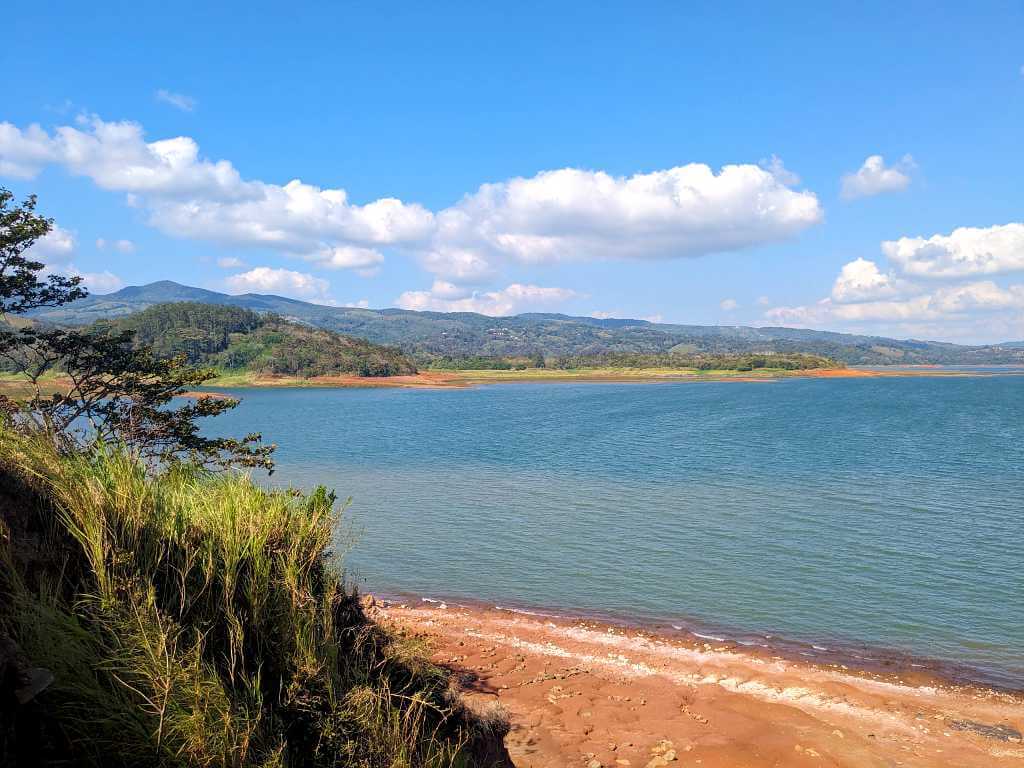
[(20, 286), (119, 391)]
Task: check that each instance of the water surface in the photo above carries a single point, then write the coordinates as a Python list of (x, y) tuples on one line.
[(885, 512)]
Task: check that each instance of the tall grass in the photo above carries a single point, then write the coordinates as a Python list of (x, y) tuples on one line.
[(195, 619)]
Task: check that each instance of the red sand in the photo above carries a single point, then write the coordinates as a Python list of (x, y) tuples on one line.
[(580, 693)]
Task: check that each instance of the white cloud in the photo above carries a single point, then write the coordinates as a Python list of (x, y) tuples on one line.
[(763, 301), (230, 262), (728, 304), (56, 247), (176, 100), (57, 250), (24, 153), (949, 311), (121, 246), (560, 215), (861, 280), (97, 282), (441, 289), (966, 251), (874, 178), (348, 257), (778, 169), (284, 282), (511, 300), (577, 215), (361, 304), (191, 197), (656, 318)]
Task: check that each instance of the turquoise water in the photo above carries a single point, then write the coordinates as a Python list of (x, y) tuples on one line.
[(866, 514)]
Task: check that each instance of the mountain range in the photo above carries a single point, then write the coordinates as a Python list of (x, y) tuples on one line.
[(462, 334)]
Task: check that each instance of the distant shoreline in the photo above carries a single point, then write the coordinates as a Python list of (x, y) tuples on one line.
[(445, 379), (450, 379)]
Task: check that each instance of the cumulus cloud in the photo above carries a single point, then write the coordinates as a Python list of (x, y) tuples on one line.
[(364, 261), (874, 178), (931, 284), (864, 297), (728, 304), (176, 100), (579, 215), (57, 251), (24, 153), (97, 282), (56, 247), (285, 282), (560, 215), (230, 262), (862, 280), (121, 246), (191, 197), (945, 303), (508, 301), (965, 252)]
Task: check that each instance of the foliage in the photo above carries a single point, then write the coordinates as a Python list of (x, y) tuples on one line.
[(198, 619), (120, 390), (700, 361), (236, 339), (675, 359), (20, 288)]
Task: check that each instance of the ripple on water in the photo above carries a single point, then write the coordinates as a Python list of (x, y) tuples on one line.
[(883, 511)]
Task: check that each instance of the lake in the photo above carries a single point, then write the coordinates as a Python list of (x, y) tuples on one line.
[(864, 514)]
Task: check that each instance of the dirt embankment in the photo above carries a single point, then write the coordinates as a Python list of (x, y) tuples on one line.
[(585, 694)]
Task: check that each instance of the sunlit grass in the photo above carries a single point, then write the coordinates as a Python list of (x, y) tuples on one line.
[(201, 619)]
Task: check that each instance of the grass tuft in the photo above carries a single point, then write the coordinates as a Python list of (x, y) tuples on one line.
[(198, 619)]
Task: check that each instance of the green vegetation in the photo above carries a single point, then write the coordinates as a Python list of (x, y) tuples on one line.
[(435, 336), (155, 612), (185, 618), (624, 360), (232, 339)]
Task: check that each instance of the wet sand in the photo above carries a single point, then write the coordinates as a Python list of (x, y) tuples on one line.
[(584, 693)]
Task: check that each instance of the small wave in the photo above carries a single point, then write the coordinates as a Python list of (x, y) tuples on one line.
[(438, 603), (716, 638), (524, 612), (819, 647)]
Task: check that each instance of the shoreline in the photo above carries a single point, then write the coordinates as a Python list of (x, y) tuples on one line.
[(583, 691), (852, 656), (440, 379), (443, 379)]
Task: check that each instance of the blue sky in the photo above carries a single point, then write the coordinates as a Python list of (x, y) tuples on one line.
[(654, 160)]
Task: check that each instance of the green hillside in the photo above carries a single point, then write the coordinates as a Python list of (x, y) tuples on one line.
[(236, 339), (438, 335)]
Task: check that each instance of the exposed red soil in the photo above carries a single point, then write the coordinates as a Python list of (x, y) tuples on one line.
[(580, 693)]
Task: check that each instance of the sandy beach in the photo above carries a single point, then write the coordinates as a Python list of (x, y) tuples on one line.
[(583, 693)]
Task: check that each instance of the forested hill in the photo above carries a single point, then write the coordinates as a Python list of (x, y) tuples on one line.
[(236, 339), (430, 335)]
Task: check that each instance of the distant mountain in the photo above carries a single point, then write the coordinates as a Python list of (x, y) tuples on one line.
[(461, 334)]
